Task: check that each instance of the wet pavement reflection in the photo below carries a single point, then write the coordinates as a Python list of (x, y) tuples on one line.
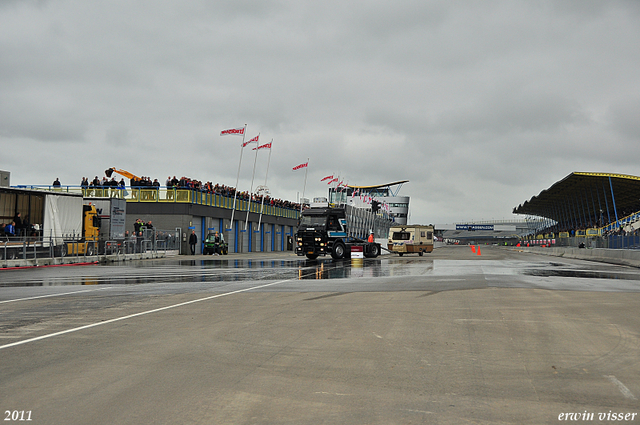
[(221, 269), (207, 270), (582, 274)]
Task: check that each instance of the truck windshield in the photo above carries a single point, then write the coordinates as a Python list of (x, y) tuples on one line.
[(313, 220), (401, 236)]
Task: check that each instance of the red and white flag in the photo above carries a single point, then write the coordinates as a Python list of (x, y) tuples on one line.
[(236, 131), (333, 180), (265, 146), (255, 139), (297, 167), (327, 178)]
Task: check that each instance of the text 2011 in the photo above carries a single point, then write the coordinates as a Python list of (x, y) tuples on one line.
[(17, 415)]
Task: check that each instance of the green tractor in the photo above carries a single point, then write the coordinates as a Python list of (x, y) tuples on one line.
[(215, 244)]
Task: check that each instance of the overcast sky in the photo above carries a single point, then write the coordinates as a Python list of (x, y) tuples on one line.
[(479, 104)]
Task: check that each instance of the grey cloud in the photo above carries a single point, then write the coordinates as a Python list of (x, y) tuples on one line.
[(465, 102)]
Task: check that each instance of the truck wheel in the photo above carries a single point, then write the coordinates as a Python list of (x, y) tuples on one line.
[(374, 251), (400, 253), (11, 255), (90, 251), (421, 253), (338, 251)]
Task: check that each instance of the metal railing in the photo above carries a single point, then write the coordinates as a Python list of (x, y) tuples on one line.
[(34, 247), (163, 194), (606, 242), (71, 245), (151, 240)]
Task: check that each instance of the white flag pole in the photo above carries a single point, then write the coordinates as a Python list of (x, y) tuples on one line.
[(246, 222), (235, 194), (265, 184), (305, 184)]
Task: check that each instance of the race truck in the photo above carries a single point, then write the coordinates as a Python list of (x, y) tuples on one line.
[(326, 230)]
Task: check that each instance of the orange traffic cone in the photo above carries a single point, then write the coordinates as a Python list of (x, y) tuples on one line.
[(473, 248), (478, 249)]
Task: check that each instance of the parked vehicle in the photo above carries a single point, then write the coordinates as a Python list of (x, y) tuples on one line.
[(112, 213), (214, 244), (411, 239)]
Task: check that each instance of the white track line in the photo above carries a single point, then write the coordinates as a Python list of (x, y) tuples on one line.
[(138, 314), (623, 389), (52, 295)]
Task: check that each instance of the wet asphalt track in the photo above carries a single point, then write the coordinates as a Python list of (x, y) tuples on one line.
[(451, 337)]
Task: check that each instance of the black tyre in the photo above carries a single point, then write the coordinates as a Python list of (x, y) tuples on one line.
[(11, 254), (421, 253), (374, 251), (400, 253), (338, 251)]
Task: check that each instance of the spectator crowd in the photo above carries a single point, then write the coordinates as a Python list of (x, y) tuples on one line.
[(181, 183)]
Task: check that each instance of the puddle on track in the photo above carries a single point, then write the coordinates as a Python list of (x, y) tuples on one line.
[(211, 270)]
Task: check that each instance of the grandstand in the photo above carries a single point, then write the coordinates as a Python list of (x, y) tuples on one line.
[(599, 207)]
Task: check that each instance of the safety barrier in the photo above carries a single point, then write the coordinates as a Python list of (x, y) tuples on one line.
[(34, 247), (71, 246), (609, 242)]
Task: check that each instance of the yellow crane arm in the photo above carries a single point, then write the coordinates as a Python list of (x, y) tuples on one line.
[(127, 174)]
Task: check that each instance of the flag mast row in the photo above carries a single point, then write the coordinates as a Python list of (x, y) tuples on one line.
[(241, 131)]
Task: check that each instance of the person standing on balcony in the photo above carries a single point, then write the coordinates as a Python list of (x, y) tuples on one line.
[(169, 185)]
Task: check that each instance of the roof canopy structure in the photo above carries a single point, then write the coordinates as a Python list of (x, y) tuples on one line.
[(375, 189), (583, 200), (379, 185)]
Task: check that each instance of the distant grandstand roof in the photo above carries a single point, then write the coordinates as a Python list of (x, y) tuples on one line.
[(586, 198), (378, 186)]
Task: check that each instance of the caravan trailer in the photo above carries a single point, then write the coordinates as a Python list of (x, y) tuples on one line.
[(411, 239)]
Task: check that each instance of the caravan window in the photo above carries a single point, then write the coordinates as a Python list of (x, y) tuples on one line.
[(401, 236)]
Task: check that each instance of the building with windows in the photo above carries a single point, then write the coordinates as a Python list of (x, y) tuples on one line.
[(385, 195)]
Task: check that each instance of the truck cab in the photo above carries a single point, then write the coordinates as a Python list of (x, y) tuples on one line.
[(87, 244), (324, 230)]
